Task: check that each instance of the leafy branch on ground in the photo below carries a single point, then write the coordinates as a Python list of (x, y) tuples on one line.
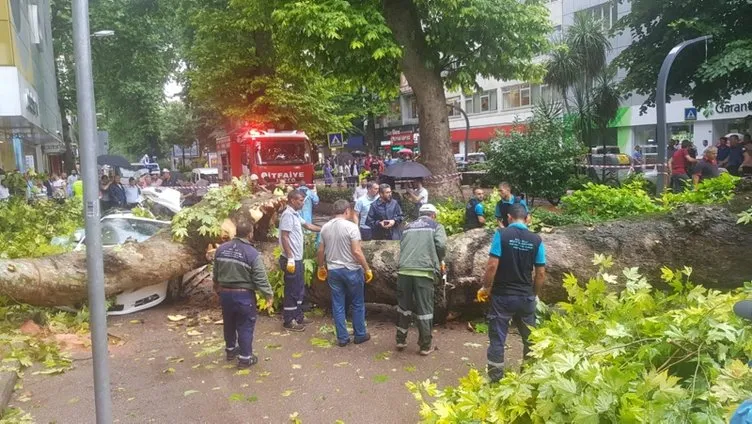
[(640, 355)]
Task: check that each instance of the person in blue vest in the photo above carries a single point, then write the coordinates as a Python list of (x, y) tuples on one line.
[(507, 199), (238, 272), (474, 211), (515, 253)]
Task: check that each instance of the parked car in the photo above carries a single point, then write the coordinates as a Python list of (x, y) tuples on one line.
[(610, 156), (118, 228)]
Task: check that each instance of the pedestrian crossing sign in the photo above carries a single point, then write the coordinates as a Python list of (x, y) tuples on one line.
[(690, 114), (335, 140)]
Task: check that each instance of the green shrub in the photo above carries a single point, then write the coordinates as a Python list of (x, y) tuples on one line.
[(708, 192), (332, 194), (600, 202), (452, 213), (639, 356)]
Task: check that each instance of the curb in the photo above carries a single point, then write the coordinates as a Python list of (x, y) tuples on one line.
[(8, 378)]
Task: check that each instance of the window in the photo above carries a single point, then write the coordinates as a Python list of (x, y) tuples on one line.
[(34, 27), (413, 108), (515, 96), (283, 152), (606, 13), (453, 110), (485, 101), (549, 94), (469, 105)]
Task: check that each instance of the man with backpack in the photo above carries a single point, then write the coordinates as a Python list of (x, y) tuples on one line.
[(474, 211), (507, 200)]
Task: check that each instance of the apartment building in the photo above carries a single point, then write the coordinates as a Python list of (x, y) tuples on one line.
[(500, 104), (30, 123)]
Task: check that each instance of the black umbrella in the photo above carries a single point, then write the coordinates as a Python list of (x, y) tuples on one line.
[(343, 157), (407, 170), (113, 161)]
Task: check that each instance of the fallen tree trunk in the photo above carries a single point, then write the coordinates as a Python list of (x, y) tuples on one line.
[(706, 238)]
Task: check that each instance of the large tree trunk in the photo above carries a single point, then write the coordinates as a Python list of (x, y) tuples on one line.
[(704, 238), (422, 70)]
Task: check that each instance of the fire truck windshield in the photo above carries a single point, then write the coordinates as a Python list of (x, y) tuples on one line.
[(283, 153)]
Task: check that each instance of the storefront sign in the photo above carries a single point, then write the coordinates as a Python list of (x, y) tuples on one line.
[(29, 161), (52, 148), (386, 143), (402, 138), (733, 108)]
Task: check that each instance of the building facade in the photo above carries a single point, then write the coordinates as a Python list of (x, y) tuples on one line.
[(500, 105), (30, 123)]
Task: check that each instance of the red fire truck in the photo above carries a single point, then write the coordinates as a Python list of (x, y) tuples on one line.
[(269, 154)]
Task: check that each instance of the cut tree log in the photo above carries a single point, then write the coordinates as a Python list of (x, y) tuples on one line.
[(705, 238)]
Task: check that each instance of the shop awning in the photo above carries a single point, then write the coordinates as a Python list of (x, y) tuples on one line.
[(479, 133)]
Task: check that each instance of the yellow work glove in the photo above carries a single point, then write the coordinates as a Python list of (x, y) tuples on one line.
[(369, 276), (321, 273), (482, 295), (290, 266)]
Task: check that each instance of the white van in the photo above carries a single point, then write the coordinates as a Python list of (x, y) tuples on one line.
[(211, 175)]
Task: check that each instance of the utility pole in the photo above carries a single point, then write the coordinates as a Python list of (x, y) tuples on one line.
[(94, 261)]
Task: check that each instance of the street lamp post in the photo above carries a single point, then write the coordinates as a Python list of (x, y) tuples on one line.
[(94, 260), (467, 127), (660, 107)]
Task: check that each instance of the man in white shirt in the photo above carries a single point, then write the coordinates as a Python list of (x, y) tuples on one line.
[(360, 190), (343, 265), (132, 193), (361, 210), (418, 195)]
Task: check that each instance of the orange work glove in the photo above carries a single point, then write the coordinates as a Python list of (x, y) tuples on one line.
[(321, 274), (482, 295)]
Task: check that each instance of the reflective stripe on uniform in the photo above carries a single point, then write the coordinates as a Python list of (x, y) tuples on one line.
[(495, 364), (424, 317), (404, 312), (300, 302), (402, 330), (291, 308)]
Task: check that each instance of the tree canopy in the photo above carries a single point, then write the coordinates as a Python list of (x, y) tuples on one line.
[(703, 73)]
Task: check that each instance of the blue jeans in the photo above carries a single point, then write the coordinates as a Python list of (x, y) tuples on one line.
[(294, 292), (239, 316), (348, 290), (521, 311)]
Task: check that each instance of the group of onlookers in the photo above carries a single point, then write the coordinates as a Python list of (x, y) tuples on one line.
[(39, 186), (731, 154), (350, 171)]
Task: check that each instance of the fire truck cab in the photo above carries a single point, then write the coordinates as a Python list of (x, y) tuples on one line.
[(269, 154)]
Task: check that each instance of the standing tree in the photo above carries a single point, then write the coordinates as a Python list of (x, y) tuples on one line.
[(436, 44), (178, 126), (704, 73)]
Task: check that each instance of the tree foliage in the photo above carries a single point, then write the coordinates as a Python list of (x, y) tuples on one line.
[(703, 73), (538, 159), (577, 68), (28, 229), (639, 355)]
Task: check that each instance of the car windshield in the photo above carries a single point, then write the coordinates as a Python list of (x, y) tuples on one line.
[(283, 153), (119, 230)]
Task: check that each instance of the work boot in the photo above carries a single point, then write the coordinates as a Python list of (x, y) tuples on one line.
[(427, 351), (294, 326), (401, 346), (365, 338), (306, 321), (343, 344), (232, 353), (247, 363)]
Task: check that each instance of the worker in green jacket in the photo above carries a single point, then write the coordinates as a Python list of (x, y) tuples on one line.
[(422, 250)]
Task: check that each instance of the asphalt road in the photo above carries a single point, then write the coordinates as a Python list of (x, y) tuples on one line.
[(158, 374)]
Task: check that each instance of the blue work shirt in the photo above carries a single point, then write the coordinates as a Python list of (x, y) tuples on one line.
[(362, 206), (519, 250), (310, 201), (502, 206)]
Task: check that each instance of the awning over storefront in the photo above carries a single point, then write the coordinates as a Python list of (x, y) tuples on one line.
[(480, 133)]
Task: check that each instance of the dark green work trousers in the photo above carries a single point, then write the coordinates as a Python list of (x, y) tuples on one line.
[(415, 297)]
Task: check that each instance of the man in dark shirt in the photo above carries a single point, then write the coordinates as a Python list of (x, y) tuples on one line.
[(238, 272), (515, 253), (507, 199), (385, 216), (736, 155), (116, 190), (723, 152), (706, 168), (474, 212)]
